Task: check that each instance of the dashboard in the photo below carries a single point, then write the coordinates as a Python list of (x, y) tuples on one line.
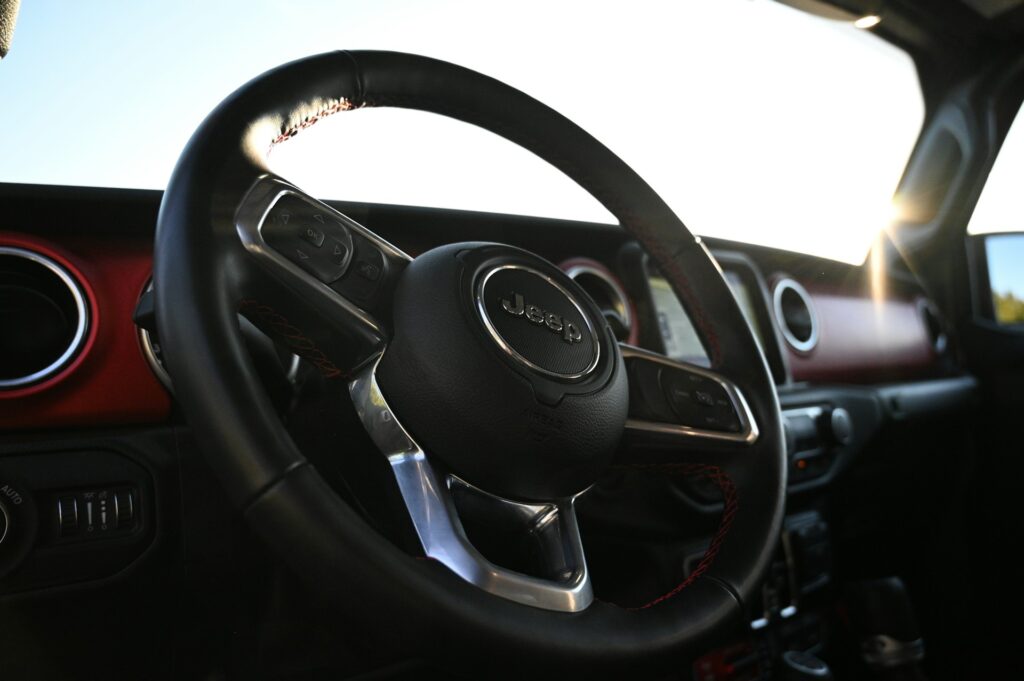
[(820, 324), (816, 321), (101, 472), (850, 348)]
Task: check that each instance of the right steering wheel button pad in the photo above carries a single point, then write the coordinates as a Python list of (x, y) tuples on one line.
[(699, 401), (674, 395)]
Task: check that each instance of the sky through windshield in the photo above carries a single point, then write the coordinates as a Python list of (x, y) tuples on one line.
[(755, 122)]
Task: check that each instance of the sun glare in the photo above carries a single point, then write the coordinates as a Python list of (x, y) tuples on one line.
[(800, 148)]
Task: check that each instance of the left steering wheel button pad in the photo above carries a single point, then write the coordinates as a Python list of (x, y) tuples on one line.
[(309, 237)]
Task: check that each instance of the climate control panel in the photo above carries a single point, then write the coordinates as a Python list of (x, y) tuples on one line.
[(814, 434)]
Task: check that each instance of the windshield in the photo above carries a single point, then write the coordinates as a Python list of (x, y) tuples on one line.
[(754, 121)]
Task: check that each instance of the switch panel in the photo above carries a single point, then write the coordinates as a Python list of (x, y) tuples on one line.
[(76, 515), (96, 513)]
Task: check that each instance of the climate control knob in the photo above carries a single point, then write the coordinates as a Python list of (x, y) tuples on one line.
[(5, 522), (837, 426)]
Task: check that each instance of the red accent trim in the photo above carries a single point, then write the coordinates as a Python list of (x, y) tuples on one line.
[(634, 331), (720, 664), (862, 340), (109, 382), (731, 505)]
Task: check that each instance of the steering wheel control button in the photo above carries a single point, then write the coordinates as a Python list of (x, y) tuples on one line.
[(367, 270), (313, 236), (339, 252), (365, 275), (699, 401), (537, 322), (646, 398), (67, 516), (308, 237)]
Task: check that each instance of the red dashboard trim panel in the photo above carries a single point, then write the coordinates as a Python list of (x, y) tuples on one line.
[(109, 382), (864, 340)]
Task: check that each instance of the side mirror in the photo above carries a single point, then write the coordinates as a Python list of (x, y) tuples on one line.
[(998, 277)]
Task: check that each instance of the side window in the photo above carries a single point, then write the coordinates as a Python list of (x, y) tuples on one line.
[(1004, 254), (997, 233)]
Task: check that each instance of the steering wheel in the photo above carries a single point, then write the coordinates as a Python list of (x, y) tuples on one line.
[(487, 378)]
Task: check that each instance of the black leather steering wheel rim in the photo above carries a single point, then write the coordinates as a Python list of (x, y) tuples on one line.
[(203, 274)]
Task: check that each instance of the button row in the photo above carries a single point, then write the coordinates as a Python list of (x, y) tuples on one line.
[(91, 513), (319, 243), (311, 238), (699, 401), (674, 395)]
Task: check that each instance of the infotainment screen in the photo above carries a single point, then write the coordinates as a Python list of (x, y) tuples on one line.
[(677, 331), (681, 340)]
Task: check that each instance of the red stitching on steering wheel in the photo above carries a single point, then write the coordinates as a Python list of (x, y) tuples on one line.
[(297, 341), (731, 499)]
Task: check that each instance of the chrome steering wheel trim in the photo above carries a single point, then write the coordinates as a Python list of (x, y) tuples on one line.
[(427, 494)]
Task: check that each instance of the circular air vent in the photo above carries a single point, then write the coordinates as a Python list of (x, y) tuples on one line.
[(933, 325), (795, 314), (45, 317), (601, 285)]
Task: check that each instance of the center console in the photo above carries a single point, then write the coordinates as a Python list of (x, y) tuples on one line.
[(792, 612)]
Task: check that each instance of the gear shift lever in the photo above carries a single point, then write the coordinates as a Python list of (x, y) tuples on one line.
[(798, 666), (883, 618)]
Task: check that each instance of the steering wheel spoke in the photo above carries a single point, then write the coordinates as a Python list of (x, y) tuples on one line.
[(322, 282), (442, 507), (682, 412)]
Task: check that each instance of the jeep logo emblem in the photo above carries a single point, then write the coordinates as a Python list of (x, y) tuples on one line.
[(517, 307)]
